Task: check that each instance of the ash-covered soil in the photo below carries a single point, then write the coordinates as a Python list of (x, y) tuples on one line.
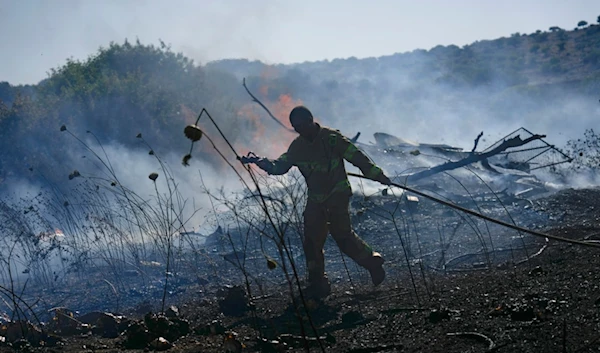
[(549, 303)]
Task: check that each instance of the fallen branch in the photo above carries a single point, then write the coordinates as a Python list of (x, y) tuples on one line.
[(476, 142), (472, 158), (254, 99), (536, 254), (450, 262), (477, 336), (587, 237)]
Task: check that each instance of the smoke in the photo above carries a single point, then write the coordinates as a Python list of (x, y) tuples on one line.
[(192, 184), (117, 166), (430, 117), (415, 103), (106, 188)]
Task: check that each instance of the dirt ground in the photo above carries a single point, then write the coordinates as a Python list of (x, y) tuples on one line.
[(550, 303)]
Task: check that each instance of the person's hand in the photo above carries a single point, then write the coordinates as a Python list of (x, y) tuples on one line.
[(382, 178)]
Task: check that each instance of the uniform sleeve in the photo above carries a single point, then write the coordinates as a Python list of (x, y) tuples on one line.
[(282, 164), (278, 166), (345, 148)]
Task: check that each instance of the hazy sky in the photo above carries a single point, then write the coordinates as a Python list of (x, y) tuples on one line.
[(38, 35)]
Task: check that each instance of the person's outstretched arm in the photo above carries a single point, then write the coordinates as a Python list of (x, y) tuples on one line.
[(352, 154), (277, 166)]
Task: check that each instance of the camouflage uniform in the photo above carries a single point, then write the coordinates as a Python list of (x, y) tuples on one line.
[(321, 162)]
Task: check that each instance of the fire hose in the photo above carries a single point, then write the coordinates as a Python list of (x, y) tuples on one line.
[(252, 158), (194, 133), (482, 216)]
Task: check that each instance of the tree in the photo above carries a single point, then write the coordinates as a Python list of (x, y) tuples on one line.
[(582, 24), (598, 20)]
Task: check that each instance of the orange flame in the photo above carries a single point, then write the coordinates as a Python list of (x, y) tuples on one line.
[(263, 136), (266, 137)]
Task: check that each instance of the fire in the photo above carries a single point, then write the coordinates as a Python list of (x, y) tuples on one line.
[(281, 110), (264, 90), (258, 132), (266, 137)]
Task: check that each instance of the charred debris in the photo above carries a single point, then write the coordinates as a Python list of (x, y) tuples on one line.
[(511, 160)]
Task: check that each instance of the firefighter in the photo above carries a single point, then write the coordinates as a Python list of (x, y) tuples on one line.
[(319, 153)]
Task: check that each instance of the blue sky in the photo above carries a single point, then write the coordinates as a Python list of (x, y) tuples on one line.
[(39, 35)]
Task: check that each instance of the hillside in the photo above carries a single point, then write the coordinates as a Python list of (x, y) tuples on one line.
[(538, 58), (537, 79)]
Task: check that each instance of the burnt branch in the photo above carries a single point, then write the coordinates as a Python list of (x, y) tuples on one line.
[(472, 158), (476, 142), (476, 335), (256, 100)]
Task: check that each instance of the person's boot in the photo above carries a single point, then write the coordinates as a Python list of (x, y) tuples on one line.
[(375, 268), (318, 289)]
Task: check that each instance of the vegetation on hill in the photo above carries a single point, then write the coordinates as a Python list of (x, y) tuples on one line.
[(126, 89), (117, 93)]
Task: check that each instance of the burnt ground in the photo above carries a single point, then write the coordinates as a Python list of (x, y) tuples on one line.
[(549, 303)]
